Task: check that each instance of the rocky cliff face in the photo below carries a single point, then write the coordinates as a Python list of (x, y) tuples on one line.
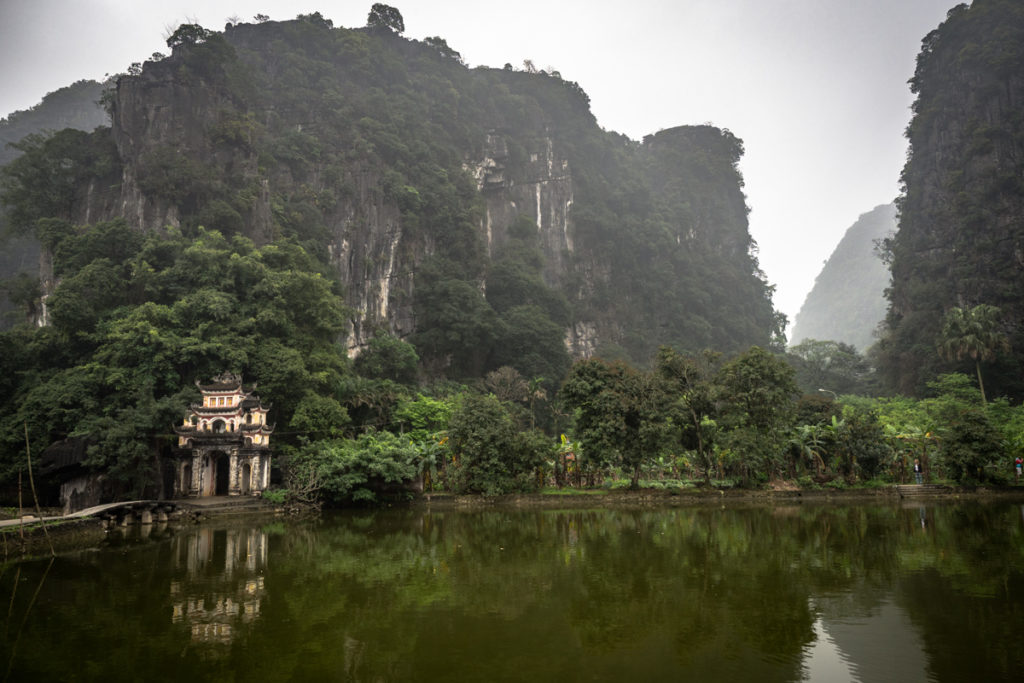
[(384, 154), (961, 237), (539, 187)]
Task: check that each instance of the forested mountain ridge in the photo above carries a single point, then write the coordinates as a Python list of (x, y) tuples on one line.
[(847, 302), (412, 176), (960, 242)]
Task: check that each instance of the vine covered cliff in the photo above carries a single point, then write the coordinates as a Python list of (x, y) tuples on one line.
[(415, 179), (960, 241)]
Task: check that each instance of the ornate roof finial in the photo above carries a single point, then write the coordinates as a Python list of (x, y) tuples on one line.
[(228, 378)]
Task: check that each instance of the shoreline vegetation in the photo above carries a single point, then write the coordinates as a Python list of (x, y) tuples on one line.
[(29, 541)]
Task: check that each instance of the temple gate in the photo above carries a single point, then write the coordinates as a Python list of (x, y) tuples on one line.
[(224, 443)]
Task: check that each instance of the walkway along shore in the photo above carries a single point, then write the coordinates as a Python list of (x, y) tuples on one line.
[(29, 535)]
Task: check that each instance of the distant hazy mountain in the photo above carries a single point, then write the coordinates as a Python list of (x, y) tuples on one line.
[(847, 301), (75, 106)]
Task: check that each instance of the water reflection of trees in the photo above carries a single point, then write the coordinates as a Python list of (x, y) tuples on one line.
[(703, 593), (590, 589)]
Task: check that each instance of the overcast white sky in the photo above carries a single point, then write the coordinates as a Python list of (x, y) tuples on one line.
[(817, 89)]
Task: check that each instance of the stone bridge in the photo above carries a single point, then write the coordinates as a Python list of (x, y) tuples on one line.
[(128, 512)]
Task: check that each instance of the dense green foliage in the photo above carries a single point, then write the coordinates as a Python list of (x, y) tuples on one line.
[(137, 318), (304, 135), (960, 231), (490, 453), (830, 367)]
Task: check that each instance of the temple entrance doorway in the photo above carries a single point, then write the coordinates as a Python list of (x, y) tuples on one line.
[(222, 471), (246, 476)]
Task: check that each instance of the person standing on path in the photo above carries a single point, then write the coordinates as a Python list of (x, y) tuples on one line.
[(917, 470), (1018, 464)]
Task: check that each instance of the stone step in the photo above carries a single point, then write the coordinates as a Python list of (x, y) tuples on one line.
[(222, 504), (911, 490)]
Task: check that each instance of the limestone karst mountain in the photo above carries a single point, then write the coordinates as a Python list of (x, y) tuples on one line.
[(417, 179), (960, 241), (847, 302)]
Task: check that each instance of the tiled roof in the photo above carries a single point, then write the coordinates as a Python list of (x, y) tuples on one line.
[(217, 410)]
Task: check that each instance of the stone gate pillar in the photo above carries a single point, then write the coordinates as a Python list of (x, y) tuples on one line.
[(195, 487), (234, 474)]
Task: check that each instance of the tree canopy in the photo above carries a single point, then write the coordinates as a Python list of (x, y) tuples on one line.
[(386, 17)]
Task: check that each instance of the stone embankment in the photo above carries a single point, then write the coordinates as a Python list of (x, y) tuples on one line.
[(32, 535)]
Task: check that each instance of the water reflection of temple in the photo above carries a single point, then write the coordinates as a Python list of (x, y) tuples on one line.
[(221, 582)]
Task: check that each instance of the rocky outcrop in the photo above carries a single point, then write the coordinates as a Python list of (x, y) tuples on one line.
[(374, 262), (383, 153), (540, 187)]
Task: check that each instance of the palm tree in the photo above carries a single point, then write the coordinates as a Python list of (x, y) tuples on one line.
[(975, 334)]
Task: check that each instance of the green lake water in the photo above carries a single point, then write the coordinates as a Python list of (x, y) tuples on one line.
[(891, 592)]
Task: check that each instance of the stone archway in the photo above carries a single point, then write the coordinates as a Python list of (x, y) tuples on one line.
[(246, 478)]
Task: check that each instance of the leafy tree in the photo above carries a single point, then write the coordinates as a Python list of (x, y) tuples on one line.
[(371, 402), (760, 394), (316, 19), (388, 357), (690, 382), (531, 342), (423, 418), (507, 384), (969, 443), (46, 180), (360, 470), (188, 34), (319, 416), (385, 17), (973, 333), (857, 446), (455, 325), (621, 413), (23, 290), (490, 454), (441, 45), (809, 441), (834, 366)]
